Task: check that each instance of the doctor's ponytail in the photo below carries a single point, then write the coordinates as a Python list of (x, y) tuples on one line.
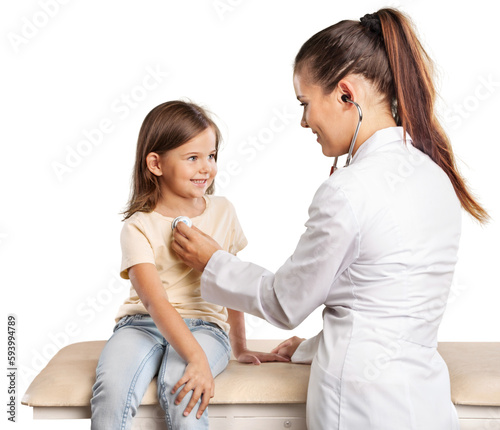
[(415, 95), (383, 48)]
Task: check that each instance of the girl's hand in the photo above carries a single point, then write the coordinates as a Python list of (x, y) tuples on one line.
[(288, 347), (194, 247), (198, 379), (256, 357)]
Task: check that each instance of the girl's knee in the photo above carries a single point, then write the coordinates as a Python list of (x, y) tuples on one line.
[(174, 415)]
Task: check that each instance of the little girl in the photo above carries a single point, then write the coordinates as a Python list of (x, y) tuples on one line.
[(165, 328)]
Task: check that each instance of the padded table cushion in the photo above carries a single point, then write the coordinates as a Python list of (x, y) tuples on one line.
[(474, 372), (68, 378)]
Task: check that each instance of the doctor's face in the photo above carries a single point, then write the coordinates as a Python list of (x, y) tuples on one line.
[(324, 114)]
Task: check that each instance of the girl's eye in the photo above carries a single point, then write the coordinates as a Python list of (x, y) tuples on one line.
[(211, 156), (192, 158)]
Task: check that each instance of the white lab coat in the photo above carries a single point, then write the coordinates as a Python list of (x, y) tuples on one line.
[(379, 252)]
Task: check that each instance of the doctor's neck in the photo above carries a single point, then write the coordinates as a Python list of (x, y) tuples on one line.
[(377, 113)]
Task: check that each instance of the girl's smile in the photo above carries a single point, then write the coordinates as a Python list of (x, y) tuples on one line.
[(199, 182)]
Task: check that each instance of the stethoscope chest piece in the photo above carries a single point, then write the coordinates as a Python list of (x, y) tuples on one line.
[(183, 219)]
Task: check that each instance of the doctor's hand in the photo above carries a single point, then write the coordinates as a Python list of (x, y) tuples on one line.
[(194, 247), (288, 347)]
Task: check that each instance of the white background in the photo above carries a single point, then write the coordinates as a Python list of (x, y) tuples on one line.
[(69, 69)]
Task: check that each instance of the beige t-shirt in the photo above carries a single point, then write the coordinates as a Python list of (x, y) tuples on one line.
[(147, 238)]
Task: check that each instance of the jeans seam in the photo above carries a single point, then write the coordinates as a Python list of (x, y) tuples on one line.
[(134, 381), (219, 335), (161, 380)]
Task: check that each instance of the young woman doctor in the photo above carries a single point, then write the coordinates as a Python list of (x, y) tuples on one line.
[(381, 242)]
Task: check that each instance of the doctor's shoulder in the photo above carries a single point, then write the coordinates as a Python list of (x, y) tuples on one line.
[(346, 178), (338, 189), (359, 185)]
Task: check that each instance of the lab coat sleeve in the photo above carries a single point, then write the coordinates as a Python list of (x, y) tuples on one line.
[(307, 350), (327, 247)]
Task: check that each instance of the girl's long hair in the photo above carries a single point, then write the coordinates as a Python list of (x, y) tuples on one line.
[(166, 127), (385, 49)]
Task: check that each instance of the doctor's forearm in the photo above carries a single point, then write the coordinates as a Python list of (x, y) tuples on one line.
[(244, 286)]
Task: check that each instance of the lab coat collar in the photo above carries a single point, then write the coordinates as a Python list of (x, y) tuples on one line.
[(378, 139)]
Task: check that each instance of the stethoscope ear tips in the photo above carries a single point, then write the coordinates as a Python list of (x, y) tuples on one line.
[(344, 98)]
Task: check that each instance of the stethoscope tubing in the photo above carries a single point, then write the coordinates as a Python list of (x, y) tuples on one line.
[(353, 141), (354, 137)]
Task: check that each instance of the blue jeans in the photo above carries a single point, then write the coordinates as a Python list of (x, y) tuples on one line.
[(134, 354)]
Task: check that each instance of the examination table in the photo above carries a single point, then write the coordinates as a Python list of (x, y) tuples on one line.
[(264, 397)]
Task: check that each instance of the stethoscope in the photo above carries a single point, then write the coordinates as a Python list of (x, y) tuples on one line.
[(353, 141)]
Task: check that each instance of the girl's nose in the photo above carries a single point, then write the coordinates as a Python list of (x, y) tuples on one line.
[(205, 167)]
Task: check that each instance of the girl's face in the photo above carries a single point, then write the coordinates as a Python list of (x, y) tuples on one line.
[(188, 170), (325, 115)]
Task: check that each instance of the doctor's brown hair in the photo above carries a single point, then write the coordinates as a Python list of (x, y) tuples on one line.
[(384, 48), (166, 127)]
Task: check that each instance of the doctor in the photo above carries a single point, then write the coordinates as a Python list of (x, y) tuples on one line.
[(380, 245)]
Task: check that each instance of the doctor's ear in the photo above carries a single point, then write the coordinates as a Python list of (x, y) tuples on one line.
[(346, 91), (153, 163)]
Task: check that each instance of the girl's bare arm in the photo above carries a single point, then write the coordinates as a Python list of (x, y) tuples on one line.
[(238, 339), (197, 376)]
